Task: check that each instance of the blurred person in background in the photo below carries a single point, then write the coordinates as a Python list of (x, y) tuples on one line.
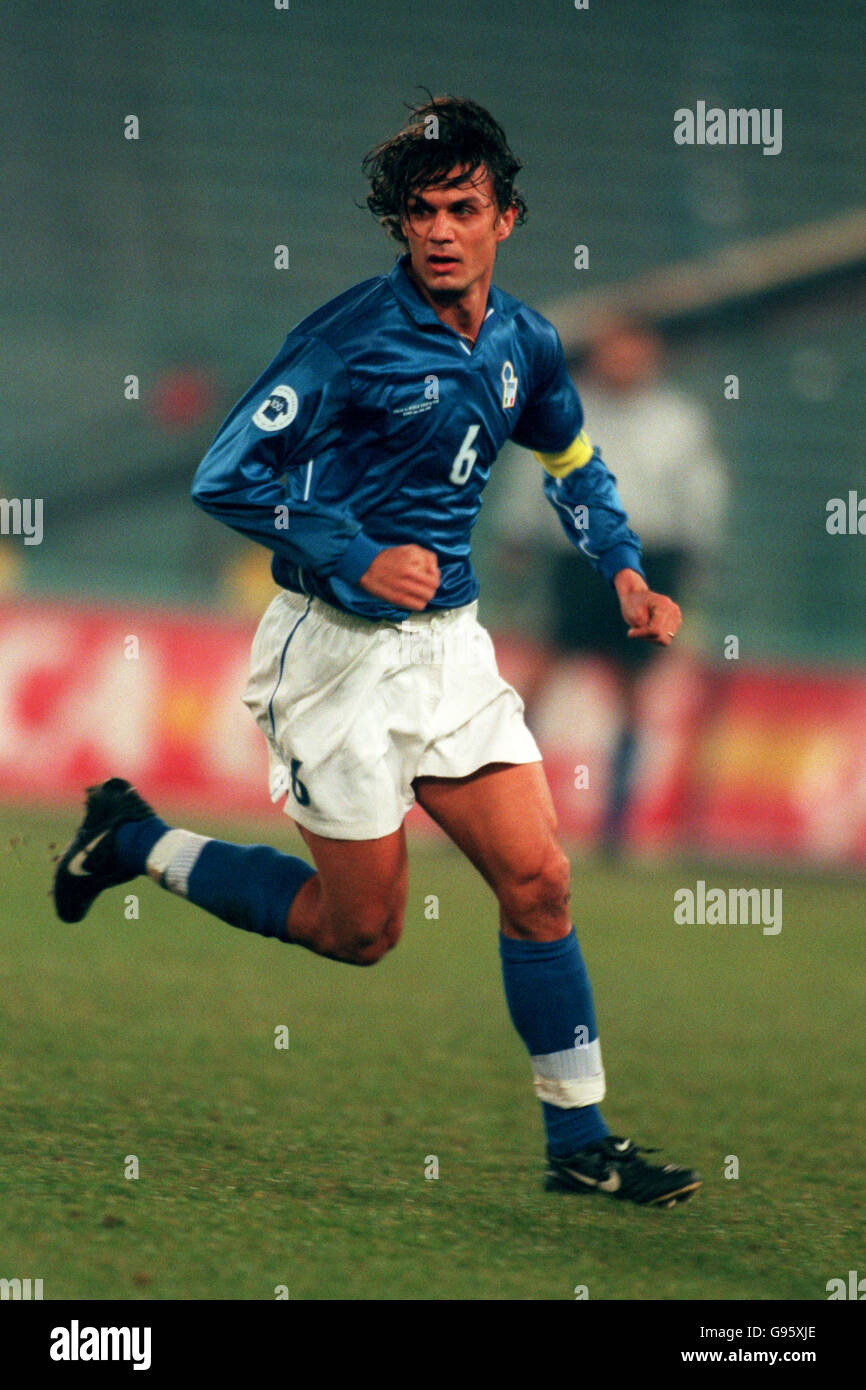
[(10, 568), (11, 565), (676, 482)]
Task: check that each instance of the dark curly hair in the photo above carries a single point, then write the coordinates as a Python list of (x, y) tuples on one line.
[(466, 138)]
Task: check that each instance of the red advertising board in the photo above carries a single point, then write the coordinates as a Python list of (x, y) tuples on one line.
[(87, 693), (738, 761), (780, 768)]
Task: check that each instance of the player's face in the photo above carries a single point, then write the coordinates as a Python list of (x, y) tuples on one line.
[(453, 234)]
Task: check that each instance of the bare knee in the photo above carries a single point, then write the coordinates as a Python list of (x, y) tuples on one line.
[(369, 950), (534, 900), (358, 928), (370, 935)]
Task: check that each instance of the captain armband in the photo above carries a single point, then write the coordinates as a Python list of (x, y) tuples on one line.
[(578, 453)]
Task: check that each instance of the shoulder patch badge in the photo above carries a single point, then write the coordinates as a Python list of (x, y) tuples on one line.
[(278, 410), (509, 385)]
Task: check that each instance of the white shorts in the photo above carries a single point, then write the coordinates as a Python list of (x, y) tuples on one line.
[(353, 711)]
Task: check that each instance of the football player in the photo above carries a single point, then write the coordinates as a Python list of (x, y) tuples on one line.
[(359, 458)]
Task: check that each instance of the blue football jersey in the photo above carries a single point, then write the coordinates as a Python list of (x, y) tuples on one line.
[(377, 425)]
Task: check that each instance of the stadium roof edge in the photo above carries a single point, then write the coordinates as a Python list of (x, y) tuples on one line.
[(758, 268)]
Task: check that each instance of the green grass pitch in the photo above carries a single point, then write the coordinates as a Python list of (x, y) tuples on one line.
[(304, 1166)]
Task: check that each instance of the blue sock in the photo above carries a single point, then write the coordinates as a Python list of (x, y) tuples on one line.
[(134, 840), (550, 1002), (248, 886)]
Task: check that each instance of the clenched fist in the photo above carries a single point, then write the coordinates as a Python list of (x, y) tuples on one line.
[(655, 617), (405, 575)]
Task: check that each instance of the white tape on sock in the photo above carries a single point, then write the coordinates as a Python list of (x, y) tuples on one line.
[(173, 858), (571, 1078)]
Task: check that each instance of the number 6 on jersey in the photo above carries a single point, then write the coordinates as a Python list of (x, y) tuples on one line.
[(464, 459)]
